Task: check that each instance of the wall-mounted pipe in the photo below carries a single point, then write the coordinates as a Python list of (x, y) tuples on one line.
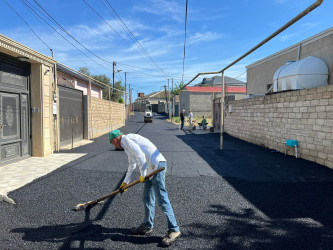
[(299, 52), (292, 21)]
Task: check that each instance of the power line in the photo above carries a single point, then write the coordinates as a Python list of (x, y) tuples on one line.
[(64, 30), (107, 23), (185, 40), (136, 40), (240, 74), (142, 49), (26, 24), (33, 9)]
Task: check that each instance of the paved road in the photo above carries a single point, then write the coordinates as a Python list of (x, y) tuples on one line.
[(244, 197)]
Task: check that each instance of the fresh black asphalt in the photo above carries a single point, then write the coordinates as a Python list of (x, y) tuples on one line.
[(244, 197)]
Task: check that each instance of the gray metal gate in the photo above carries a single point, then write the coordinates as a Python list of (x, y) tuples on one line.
[(71, 115), (14, 109)]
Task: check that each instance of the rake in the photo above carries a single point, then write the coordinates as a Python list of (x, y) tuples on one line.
[(82, 206)]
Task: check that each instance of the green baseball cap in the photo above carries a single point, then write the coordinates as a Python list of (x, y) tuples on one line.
[(114, 133)]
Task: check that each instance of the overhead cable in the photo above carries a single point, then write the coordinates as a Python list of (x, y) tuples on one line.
[(136, 40), (26, 24), (32, 8), (185, 40), (63, 29)]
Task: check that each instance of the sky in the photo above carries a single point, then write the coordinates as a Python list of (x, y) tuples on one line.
[(146, 38)]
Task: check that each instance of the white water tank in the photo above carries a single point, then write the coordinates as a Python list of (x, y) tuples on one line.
[(307, 73)]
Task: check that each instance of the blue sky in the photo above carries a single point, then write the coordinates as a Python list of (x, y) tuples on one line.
[(218, 32)]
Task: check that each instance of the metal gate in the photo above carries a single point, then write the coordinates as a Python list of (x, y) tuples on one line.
[(71, 116), (14, 109), (154, 107)]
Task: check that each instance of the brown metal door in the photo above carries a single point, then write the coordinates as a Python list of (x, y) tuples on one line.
[(71, 115)]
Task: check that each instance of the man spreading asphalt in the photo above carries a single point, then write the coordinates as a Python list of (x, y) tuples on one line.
[(143, 153)]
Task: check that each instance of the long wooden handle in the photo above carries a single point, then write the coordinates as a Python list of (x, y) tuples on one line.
[(127, 187)]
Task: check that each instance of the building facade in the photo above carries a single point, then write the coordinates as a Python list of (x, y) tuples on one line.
[(200, 99), (260, 74), (71, 79), (28, 95)]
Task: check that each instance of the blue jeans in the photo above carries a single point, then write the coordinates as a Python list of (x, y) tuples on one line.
[(156, 186), (182, 124)]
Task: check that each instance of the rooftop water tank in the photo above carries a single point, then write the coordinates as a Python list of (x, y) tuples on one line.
[(307, 73)]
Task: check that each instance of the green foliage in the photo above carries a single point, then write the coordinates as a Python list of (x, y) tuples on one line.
[(177, 88), (176, 118), (84, 70), (115, 94), (102, 78)]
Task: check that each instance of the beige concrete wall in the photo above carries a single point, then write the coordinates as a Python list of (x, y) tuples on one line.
[(303, 115), (47, 99), (36, 116), (260, 74), (41, 101), (104, 116)]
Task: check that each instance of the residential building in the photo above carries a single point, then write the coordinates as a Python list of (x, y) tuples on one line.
[(28, 93), (157, 99), (199, 98), (71, 79), (260, 73)]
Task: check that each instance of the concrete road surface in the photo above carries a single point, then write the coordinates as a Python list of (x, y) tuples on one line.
[(244, 197)]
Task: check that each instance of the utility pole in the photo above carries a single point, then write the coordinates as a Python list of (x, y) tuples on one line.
[(166, 98), (113, 64), (169, 111), (173, 101), (125, 100)]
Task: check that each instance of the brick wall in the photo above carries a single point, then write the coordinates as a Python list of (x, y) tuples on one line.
[(303, 115), (104, 116)]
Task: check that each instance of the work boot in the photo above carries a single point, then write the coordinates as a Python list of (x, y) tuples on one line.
[(170, 237), (141, 230)]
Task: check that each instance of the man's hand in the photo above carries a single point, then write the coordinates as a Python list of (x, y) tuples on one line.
[(122, 186), (142, 179)]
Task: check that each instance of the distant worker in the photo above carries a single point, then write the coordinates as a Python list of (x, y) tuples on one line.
[(204, 123), (143, 153), (190, 118), (182, 118)]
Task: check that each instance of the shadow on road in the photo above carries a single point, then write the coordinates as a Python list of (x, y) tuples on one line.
[(246, 230), (74, 234), (282, 187)]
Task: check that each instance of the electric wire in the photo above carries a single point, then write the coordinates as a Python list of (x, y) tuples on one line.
[(31, 8), (119, 75), (136, 40), (64, 30), (26, 24), (142, 49), (185, 41), (240, 74)]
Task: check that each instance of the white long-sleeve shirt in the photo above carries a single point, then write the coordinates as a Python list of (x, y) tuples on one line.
[(142, 152), (190, 117)]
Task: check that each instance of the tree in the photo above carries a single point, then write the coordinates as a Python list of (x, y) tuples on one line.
[(116, 95), (106, 80), (178, 87), (84, 70)]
